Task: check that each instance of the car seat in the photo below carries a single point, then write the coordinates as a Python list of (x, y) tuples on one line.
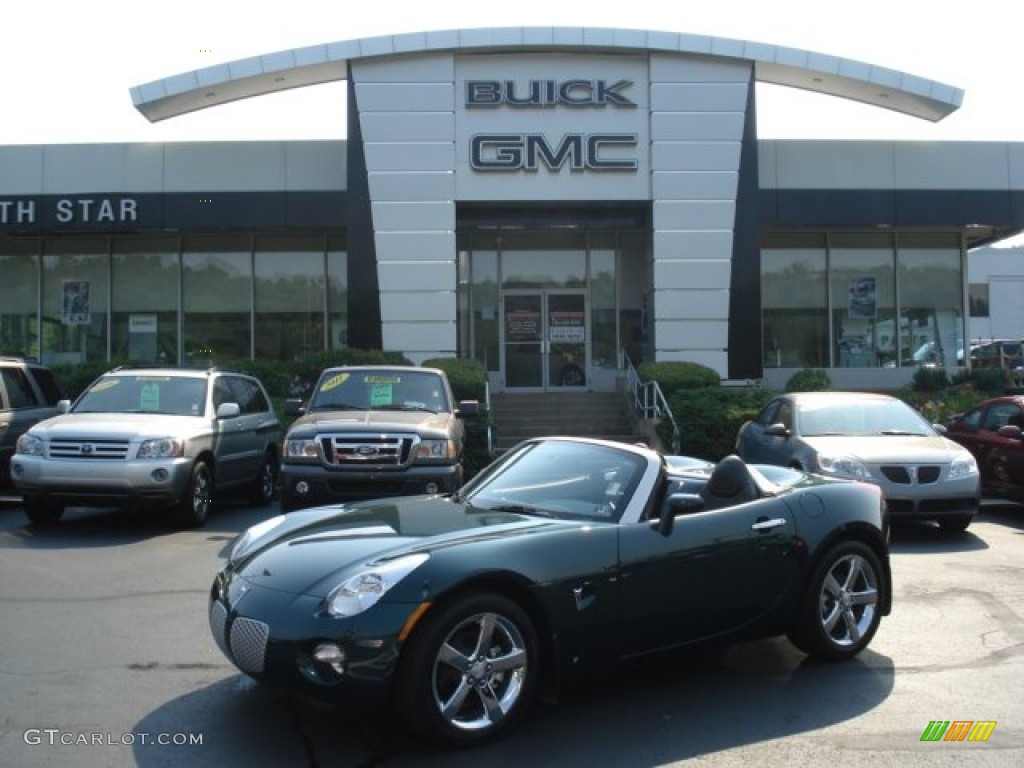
[(730, 483)]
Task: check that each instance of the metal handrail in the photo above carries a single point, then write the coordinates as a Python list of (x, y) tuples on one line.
[(648, 399)]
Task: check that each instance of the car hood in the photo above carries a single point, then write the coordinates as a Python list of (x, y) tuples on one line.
[(313, 550), (339, 421), (117, 426), (898, 449)]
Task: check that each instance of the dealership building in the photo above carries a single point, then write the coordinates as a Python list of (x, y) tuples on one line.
[(549, 201)]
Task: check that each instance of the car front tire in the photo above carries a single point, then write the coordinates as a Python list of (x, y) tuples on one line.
[(841, 608), (43, 512), (197, 502), (955, 523), (470, 671), (264, 485)]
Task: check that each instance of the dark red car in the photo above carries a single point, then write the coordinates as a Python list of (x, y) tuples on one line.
[(992, 432)]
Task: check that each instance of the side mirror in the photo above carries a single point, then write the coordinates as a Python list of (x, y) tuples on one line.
[(293, 407), (776, 430), (228, 410), (1011, 431), (677, 503), (940, 428), (63, 406), (467, 408)]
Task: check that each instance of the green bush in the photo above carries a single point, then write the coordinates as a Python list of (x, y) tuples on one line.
[(809, 380), (930, 379), (673, 376), (989, 380), (710, 417), (467, 377)]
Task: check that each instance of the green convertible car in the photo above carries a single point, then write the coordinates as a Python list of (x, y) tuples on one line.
[(460, 610)]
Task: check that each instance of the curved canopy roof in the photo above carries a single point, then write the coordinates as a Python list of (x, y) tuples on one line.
[(273, 72)]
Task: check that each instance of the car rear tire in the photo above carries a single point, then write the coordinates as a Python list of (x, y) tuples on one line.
[(841, 608), (265, 484), (43, 512), (955, 523), (197, 502), (470, 670)]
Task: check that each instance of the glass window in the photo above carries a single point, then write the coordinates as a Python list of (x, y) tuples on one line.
[(290, 296), (794, 302), (337, 292), (145, 277), (544, 260), (931, 302), (75, 299), (863, 300), (19, 389), (978, 296), (216, 297), (19, 265)]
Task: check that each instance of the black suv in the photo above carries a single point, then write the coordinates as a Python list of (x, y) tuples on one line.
[(29, 393)]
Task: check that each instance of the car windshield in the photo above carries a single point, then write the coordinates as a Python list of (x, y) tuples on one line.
[(560, 479), (380, 389), (861, 417), (143, 393)]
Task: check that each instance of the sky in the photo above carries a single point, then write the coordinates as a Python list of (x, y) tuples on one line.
[(67, 65)]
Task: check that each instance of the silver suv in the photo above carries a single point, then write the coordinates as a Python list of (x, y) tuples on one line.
[(29, 393), (154, 437)]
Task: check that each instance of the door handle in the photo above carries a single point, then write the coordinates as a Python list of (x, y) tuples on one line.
[(764, 524)]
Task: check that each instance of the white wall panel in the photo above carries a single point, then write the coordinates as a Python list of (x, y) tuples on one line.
[(692, 334), (696, 155), (22, 170), (950, 165), (695, 185), (435, 338), (694, 214), (398, 276), (420, 127), (833, 165), (422, 69), (699, 97), (711, 126), (412, 187), (695, 273), (690, 304), (696, 69), (316, 165), (413, 307), (413, 216), (415, 246), (693, 245), (410, 97), (394, 156), (225, 166)]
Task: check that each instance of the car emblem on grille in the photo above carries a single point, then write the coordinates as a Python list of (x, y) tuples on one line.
[(86, 449), (367, 450)]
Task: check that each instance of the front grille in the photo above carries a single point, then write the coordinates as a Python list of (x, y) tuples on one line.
[(903, 475), (368, 451), (89, 449), (248, 642)]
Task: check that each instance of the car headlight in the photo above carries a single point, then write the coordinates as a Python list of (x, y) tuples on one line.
[(162, 448), (245, 542), (435, 450), (30, 445), (362, 591), (300, 448), (843, 465), (963, 465)]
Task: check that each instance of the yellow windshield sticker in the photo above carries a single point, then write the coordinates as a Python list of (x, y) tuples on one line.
[(334, 382), (380, 394), (149, 397), (103, 385)]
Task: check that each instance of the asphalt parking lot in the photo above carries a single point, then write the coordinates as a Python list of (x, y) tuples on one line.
[(106, 660)]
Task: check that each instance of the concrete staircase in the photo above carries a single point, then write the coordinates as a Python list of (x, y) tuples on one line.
[(579, 414)]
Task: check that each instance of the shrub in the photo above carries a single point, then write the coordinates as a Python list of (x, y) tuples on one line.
[(673, 376), (710, 417), (989, 380), (928, 379), (809, 380), (467, 377)]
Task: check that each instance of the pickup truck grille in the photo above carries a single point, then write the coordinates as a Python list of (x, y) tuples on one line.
[(89, 449), (374, 450)]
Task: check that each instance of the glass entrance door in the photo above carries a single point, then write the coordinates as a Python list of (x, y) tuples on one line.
[(544, 339)]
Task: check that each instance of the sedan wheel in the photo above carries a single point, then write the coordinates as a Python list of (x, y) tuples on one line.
[(197, 502), (470, 670), (841, 609)]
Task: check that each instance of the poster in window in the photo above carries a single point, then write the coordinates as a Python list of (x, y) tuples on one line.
[(862, 302), (76, 302)]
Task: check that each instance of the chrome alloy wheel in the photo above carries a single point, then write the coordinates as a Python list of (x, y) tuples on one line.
[(479, 672), (848, 600)]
